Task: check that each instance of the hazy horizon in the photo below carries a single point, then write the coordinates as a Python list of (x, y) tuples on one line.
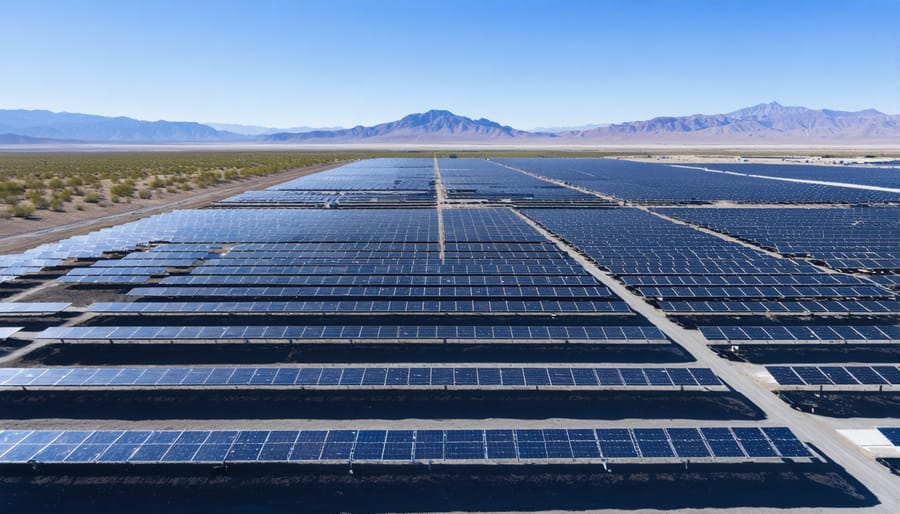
[(228, 126), (525, 64)]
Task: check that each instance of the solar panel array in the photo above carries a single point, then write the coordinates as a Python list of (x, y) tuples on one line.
[(478, 179), (681, 268), (333, 261), (845, 239), (362, 183), (214, 446), (314, 269), (660, 184)]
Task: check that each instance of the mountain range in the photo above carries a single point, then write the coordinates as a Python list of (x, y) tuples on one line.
[(89, 128), (768, 123), (256, 130)]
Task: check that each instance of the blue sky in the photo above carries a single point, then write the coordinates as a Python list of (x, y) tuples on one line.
[(525, 63)]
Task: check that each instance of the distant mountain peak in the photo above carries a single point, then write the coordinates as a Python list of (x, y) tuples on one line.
[(444, 116), (766, 109), (433, 113), (435, 125)]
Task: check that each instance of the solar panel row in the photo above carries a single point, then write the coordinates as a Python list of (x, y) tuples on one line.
[(12, 308), (127, 264), (784, 307), (360, 376), (767, 292), (364, 247), (743, 280), (167, 252), (396, 306), (835, 375), (118, 270), (557, 268), (328, 199), (484, 258), (324, 252), (519, 333), (320, 292), (104, 279), (22, 446), (789, 333), (385, 280)]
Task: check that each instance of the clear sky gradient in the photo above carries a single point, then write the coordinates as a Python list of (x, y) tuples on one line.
[(525, 63)]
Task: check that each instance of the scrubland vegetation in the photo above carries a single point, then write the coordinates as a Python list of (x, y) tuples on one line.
[(63, 181)]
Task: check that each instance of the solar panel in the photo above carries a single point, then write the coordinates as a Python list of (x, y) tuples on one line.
[(754, 442), (785, 375), (865, 375), (688, 442), (616, 443)]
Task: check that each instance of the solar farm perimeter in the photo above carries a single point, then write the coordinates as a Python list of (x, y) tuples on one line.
[(467, 334)]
